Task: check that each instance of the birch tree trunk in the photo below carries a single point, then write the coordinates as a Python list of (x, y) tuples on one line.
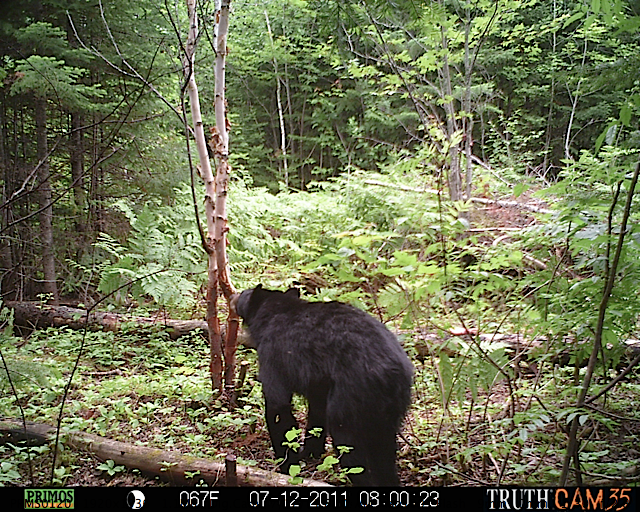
[(283, 139), (454, 177), (221, 152), (466, 107), (574, 104), (216, 190), (213, 323)]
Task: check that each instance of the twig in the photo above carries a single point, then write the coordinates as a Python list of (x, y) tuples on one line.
[(597, 343), (635, 361), (610, 414), (76, 364), (134, 73), (463, 475)]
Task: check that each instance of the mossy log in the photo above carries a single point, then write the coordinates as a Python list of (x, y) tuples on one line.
[(169, 466), (35, 315)]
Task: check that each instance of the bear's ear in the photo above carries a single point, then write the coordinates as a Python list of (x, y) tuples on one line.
[(258, 294), (293, 292)]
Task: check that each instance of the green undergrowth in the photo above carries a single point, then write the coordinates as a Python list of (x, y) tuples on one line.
[(148, 389)]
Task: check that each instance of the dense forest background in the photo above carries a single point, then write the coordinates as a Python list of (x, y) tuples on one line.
[(463, 170)]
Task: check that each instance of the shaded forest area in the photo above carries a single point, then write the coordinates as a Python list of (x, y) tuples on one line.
[(466, 172)]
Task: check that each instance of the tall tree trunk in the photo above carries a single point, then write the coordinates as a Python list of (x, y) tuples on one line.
[(454, 177), (222, 187), (547, 142), (94, 199), (466, 108), (7, 273), (46, 215), (76, 159), (574, 103), (283, 137), (216, 189), (213, 322)]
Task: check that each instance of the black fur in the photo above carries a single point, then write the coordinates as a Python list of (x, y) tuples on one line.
[(350, 367)]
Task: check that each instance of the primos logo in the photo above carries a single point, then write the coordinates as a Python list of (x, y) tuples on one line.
[(49, 498)]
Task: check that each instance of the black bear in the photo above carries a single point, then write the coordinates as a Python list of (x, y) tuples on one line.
[(352, 370)]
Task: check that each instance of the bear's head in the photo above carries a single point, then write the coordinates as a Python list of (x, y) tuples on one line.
[(247, 303)]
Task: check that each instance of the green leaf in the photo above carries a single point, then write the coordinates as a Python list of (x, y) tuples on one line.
[(328, 463), (602, 136), (573, 18), (404, 259), (392, 272), (346, 276), (345, 252), (519, 189), (362, 241), (294, 470), (625, 114), (292, 434)]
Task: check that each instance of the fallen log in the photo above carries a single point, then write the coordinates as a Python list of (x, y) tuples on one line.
[(35, 315), (429, 344), (481, 200), (169, 466)]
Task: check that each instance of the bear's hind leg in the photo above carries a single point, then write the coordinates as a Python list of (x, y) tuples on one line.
[(314, 444)]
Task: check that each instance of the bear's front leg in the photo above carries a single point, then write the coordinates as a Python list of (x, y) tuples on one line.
[(279, 418)]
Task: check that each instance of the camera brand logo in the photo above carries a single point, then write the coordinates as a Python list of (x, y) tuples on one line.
[(575, 499), (49, 498)]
